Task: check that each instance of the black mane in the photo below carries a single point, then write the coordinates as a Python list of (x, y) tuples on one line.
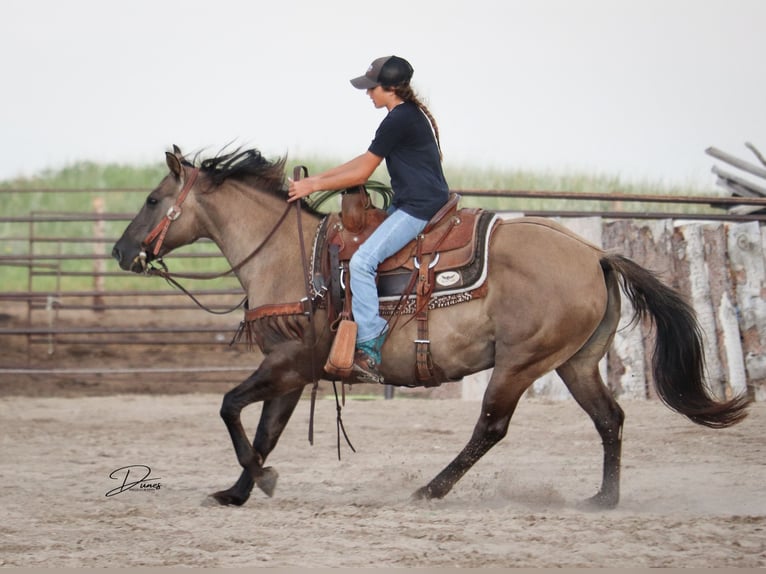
[(250, 167)]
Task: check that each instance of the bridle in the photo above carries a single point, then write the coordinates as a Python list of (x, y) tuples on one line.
[(174, 212)]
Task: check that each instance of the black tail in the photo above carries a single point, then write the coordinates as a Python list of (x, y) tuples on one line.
[(678, 363)]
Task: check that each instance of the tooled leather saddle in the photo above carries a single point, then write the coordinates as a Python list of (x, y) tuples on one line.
[(446, 264)]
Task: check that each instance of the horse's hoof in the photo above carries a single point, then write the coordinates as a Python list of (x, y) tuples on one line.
[(228, 498), (422, 494), (267, 480), (600, 501)]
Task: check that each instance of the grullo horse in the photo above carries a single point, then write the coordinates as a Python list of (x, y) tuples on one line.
[(551, 302)]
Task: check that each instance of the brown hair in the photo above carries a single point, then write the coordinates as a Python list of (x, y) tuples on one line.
[(406, 93)]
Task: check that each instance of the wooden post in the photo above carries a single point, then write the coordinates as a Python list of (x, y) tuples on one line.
[(99, 265), (696, 253), (747, 269)]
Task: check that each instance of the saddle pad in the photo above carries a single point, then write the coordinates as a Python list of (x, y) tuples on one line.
[(466, 275), (451, 284)]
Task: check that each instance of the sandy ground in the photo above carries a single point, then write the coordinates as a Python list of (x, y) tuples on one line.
[(691, 496)]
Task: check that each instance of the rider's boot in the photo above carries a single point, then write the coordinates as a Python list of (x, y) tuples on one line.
[(367, 360)]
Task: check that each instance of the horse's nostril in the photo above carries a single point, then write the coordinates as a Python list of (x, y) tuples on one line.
[(117, 255)]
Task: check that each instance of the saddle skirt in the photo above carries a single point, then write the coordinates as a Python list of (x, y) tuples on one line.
[(454, 245)]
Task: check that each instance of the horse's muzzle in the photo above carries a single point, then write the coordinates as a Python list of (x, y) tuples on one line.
[(137, 264)]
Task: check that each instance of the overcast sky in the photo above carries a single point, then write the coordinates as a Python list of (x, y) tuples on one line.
[(635, 88)]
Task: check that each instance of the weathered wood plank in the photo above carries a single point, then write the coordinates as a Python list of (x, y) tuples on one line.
[(721, 292), (693, 249), (746, 260)]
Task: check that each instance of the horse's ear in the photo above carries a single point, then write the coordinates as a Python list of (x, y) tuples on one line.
[(174, 163), (177, 150)]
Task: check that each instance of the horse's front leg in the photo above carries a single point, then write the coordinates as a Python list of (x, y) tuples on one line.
[(280, 392), (274, 417)]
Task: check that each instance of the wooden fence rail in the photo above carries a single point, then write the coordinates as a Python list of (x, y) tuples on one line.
[(717, 260)]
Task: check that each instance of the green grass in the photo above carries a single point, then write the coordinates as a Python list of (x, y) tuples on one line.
[(90, 179)]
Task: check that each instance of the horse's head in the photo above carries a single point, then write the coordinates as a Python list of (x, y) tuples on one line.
[(166, 221)]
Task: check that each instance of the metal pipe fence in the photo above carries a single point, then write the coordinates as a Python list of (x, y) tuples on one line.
[(68, 294)]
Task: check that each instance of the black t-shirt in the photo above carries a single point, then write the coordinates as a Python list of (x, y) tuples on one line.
[(406, 140)]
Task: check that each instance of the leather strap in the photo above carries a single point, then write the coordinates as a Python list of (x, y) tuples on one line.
[(161, 229), (426, 370), (298, 171), (335, 286), (302, 307)]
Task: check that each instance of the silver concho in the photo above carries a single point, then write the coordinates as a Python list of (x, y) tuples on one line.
[(447, 278)]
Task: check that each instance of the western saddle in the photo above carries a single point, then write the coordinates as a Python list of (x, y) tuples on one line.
[(447, 257)]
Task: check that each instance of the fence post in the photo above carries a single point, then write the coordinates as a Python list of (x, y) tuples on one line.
[(747, 269), (99, 265)]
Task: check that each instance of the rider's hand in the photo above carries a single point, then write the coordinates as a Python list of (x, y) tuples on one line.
[(300, 188)]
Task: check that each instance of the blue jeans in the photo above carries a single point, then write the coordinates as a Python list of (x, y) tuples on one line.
[(396, 231)]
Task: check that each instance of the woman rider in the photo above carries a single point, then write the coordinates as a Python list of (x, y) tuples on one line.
[(408, 139)]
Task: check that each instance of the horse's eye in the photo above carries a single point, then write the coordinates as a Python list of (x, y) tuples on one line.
[(151, 201)]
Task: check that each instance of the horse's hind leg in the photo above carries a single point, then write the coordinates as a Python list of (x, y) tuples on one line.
[(499, 403), (583, 379), (274, 417), (585, 384)]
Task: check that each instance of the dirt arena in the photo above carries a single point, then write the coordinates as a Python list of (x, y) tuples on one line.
[(691, 496)]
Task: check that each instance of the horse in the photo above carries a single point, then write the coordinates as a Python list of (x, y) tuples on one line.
[(552, 302)]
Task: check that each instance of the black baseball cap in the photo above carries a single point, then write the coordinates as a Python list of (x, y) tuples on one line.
[(386, 71)]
